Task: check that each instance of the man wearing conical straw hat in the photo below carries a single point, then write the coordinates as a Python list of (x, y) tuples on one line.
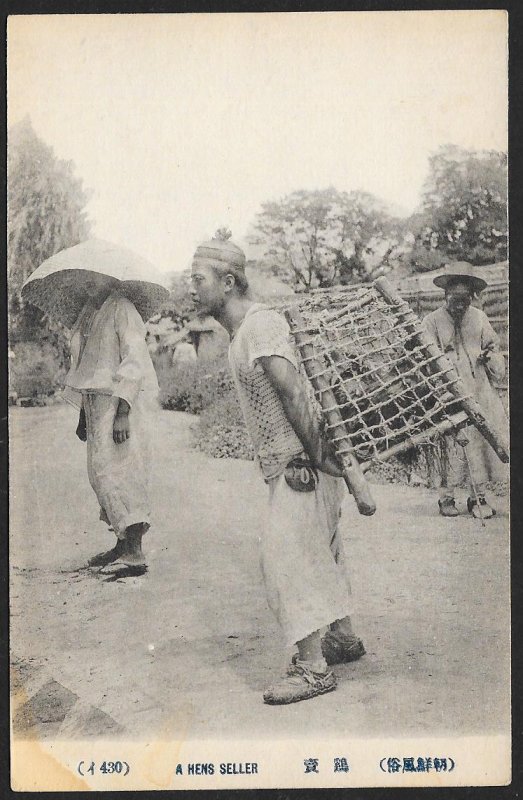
[(464, 334), (111, 380), (301, 551)]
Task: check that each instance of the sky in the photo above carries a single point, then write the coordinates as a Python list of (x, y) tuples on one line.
[(182, 123)]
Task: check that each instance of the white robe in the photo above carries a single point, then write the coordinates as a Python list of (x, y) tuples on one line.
[(463, 345), (110, 360)]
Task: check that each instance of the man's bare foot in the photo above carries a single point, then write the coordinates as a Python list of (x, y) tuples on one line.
[(102, 559), (132, 554)]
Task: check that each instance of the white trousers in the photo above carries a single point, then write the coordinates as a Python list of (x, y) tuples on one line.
[(118, 473), (302, 557)]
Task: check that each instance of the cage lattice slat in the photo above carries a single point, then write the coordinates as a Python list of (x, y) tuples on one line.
[(382, 384)]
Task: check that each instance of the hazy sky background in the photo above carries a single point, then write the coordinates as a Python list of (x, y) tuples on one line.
[(182, 123)]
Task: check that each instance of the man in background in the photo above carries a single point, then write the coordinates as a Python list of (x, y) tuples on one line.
[(465, 335)]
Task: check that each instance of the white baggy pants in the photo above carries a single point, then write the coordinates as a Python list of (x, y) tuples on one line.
[(302, 557), (118, 473)]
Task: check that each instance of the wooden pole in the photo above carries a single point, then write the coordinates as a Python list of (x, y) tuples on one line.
[(354, 477), (454, 422), (494, 437), (474, 487)]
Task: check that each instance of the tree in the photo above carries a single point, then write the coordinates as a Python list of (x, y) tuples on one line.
[(180, 302), (368, 236), (464, 210), (319, 238), (45, 208), (45, 214)]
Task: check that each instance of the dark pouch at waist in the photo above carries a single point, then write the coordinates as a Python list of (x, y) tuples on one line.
[(300, 475)]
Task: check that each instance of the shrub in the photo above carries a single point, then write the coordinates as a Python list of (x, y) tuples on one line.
[(34, 370), (207, 389), (194, 388), (221, 432), (392, 471)]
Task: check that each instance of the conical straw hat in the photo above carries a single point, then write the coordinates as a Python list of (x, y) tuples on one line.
[(460, 270), (63, 283)]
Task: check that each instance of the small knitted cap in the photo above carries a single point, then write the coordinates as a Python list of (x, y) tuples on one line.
[(221, 248)]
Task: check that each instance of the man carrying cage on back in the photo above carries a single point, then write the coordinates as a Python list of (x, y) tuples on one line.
[(302, 555)]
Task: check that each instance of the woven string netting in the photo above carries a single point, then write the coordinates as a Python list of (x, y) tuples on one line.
[(387, 387)]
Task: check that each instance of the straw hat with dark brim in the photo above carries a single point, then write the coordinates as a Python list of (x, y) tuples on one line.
[(460, 270), (60, 286)]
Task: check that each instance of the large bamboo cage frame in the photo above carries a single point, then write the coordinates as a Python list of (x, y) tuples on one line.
[(382, 384)]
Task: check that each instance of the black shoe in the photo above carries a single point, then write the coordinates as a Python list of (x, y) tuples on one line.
[(486, 511), (447, 507), (338, 649), (103, 559)]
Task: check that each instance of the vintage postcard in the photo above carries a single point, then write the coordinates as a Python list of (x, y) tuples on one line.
[(258, 349)]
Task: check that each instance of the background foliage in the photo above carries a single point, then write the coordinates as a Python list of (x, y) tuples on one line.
[(46, 213), (463, 215), (322, 238), (207, 390)]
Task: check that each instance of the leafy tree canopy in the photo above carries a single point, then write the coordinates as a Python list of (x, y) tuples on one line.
[(45, 213), (46, 208), (320, 238), (463, 215)]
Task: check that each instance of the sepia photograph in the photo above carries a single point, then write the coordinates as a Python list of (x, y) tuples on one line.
[(258, 284)]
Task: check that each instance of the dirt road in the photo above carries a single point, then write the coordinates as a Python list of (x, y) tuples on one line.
[(190, 646)]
